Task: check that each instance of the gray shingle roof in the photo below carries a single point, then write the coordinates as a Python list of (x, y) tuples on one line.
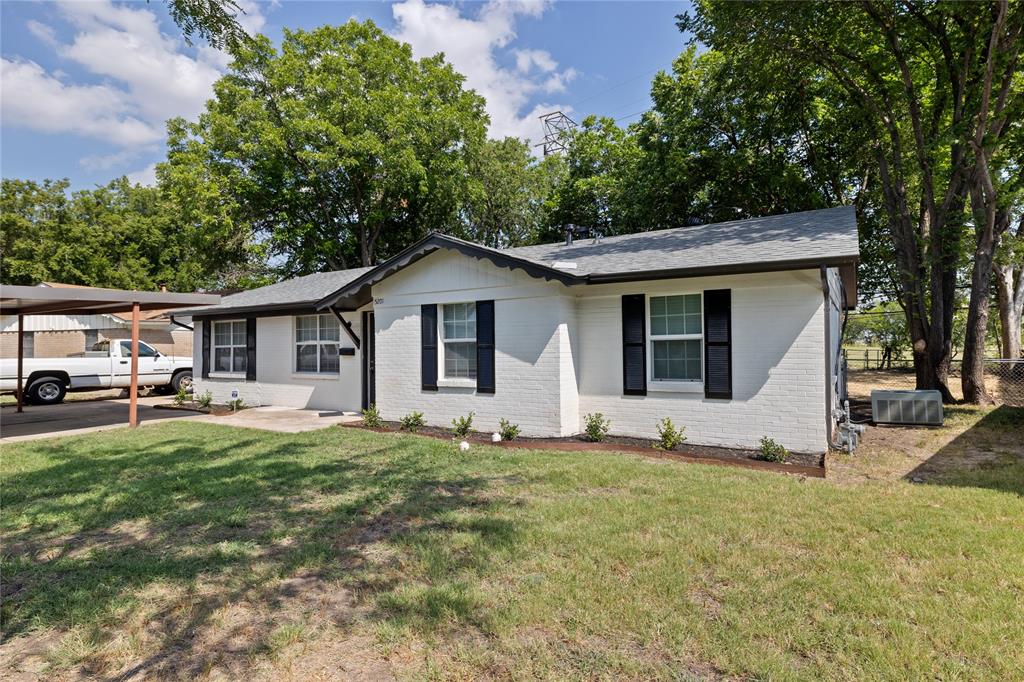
[(751, 245), (297, 291), (827, 234)]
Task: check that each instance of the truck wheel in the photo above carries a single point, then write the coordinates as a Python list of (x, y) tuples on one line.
[(47, 391), (182, 380)]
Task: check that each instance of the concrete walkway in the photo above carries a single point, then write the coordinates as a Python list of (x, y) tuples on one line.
[(74, 418), (284, 419)]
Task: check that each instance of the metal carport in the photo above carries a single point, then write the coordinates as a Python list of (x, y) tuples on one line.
[(30, 300)]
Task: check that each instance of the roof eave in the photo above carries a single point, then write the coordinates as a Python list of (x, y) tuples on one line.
[(264, 310)]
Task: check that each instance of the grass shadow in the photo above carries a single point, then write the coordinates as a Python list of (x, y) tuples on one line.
[(245, 516), (989, 454)]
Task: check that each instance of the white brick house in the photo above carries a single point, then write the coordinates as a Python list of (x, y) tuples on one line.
[(730, 329)]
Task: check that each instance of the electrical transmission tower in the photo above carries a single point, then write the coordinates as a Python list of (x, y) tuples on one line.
[(556, 126)]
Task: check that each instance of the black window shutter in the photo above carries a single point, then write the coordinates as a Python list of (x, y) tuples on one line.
[(207, 325), (634, 346), (428, 347), (250, 349), (485, 346), (718, 344)]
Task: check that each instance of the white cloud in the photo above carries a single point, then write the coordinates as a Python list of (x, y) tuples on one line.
[(33, 99), (144, 176), (145, 77), (42, 31), (527, 59), (472, 46), (108, 161)]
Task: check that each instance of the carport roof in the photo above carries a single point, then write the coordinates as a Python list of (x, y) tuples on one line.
[(27, 300)]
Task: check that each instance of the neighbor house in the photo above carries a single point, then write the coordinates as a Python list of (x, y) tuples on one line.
[(731, 329)]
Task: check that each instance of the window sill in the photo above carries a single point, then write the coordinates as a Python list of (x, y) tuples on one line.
[(456, 383), (316, 376), (675, 387), (227, 375)]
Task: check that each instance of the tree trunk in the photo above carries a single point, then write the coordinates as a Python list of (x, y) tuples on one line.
[(973, 373), (1010, 299)]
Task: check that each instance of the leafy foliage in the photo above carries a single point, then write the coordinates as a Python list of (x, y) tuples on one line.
[(216, 21), (772, 451), (507, 203), (596, 427), (412, 422), (204, 400), (462, 425), (507, 430), (336, 150), (938, 92), (372, 418), (119, 235), (669, 437)]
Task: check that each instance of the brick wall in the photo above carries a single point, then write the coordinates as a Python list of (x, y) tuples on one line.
[(276, 381), (778, 364), (531, 327)]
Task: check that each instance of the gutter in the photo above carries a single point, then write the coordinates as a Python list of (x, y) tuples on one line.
[(181, 324), (710, 270)]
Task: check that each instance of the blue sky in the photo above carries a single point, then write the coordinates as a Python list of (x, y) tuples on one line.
[(87, 85)]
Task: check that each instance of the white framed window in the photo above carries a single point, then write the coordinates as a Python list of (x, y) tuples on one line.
[(316, 344), (458, 338), (676, 333), (229, 347)]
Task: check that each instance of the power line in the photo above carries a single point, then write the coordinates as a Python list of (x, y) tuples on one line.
[(613, 87)]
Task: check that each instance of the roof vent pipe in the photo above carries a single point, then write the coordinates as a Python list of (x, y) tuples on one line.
[(569, 231)]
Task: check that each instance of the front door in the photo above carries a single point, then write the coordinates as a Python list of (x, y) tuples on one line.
[(369, 361)]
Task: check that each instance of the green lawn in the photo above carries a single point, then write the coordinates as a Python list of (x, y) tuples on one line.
[(185, 550)]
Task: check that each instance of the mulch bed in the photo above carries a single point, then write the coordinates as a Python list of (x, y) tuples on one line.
[(798, 463)]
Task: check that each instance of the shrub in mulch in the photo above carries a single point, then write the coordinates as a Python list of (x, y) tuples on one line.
[(807, 464)]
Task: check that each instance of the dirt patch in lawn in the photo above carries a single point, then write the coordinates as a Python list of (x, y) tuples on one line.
[(798, 463), (972, 440)]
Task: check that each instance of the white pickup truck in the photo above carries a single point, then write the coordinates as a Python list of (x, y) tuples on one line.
[(107, 365)]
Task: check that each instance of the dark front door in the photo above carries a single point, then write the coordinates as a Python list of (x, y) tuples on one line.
[(369, 361)]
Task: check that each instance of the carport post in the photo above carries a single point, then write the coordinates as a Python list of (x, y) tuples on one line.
[(133, 403), (21, 358)]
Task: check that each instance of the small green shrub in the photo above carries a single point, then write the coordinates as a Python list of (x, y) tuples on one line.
[(668, 435), (462, 425), (508, 430), (204, 400), (772, 451), (180, 397), (371, 417), (596, 427), (236, 404), (412, 422)]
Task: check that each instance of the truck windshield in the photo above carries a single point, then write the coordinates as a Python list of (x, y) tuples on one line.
[(144, 350)]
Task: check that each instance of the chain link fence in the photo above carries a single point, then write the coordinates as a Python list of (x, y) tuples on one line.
[(867, 370)]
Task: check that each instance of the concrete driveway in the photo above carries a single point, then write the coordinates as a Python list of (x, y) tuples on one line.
[(73, 418), (80, 416)]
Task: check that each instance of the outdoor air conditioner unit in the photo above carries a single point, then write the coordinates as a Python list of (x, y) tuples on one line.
[(907, 407)]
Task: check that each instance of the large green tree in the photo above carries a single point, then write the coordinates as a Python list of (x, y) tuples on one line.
[(508, 201), (335, 151), (119, 235), (599, 187), (940, 88), (721, 143)]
